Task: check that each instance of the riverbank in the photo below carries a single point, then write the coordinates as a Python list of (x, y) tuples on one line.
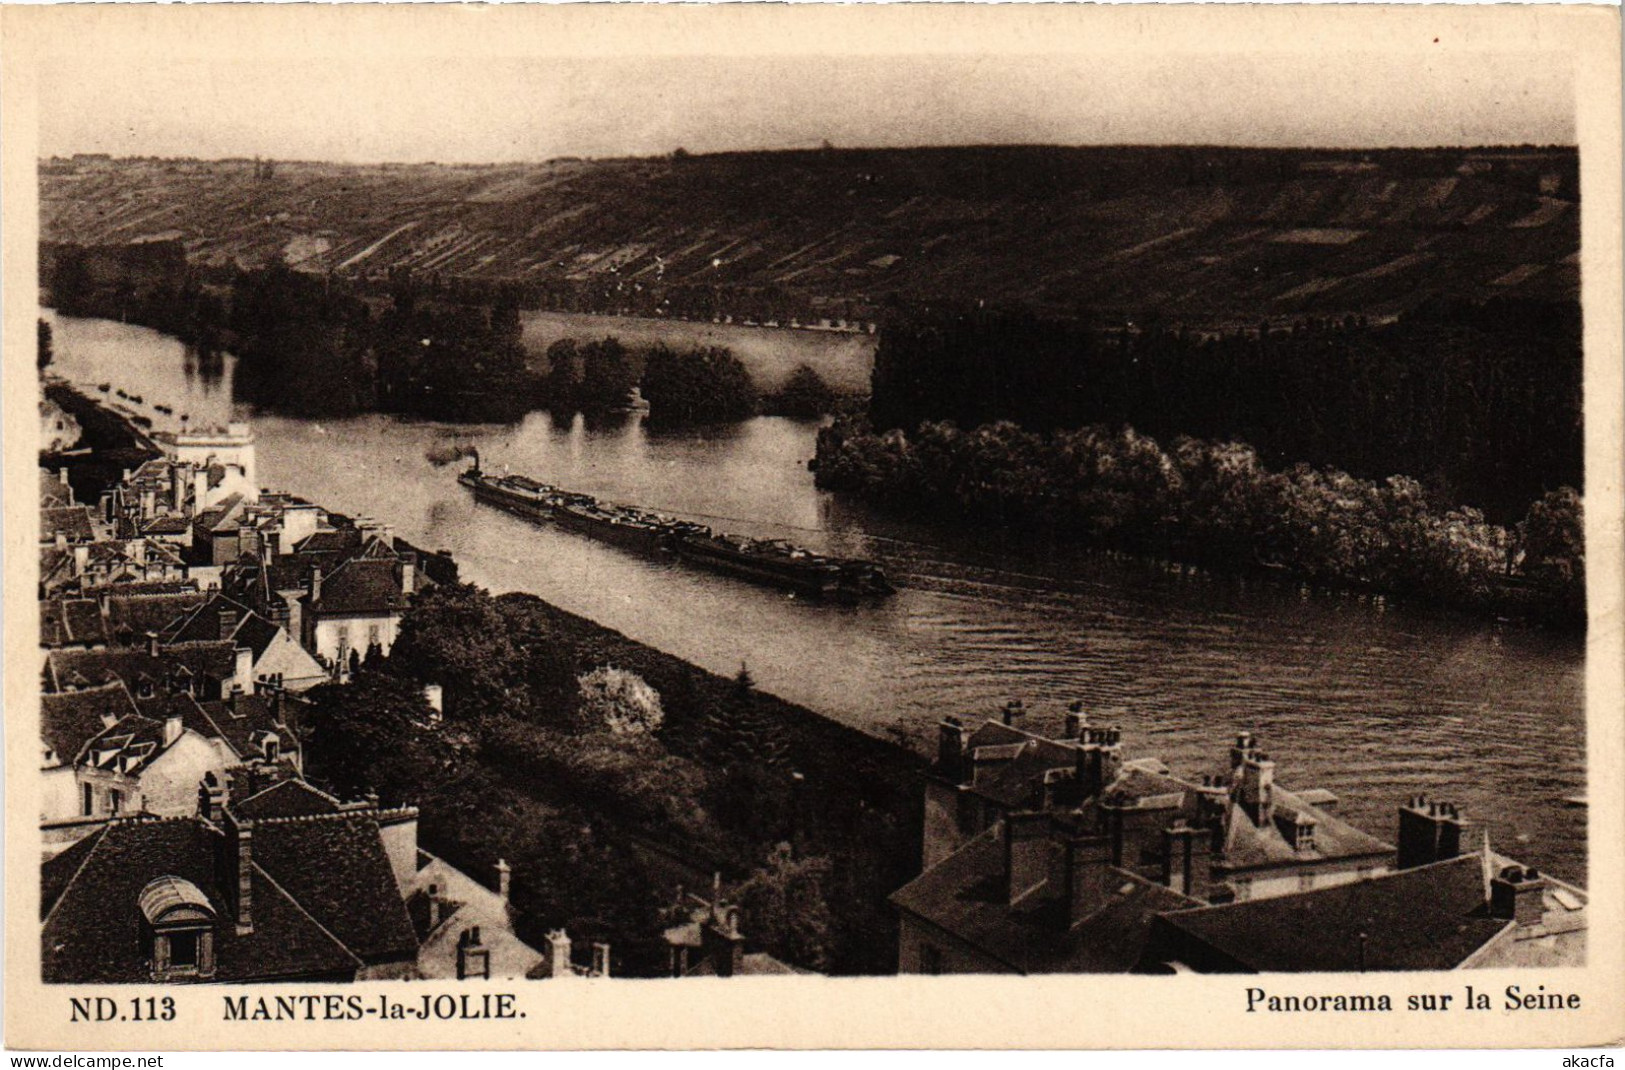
[(982, 615), (520, 771), (1214, 504), (109, 445)]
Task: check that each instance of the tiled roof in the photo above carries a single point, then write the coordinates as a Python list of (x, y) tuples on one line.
[(964, 895), (125, 746), (92, 928), (131, 617), (132, 589), (240, 719), (352, 891), (218, 517), (361, 586), (1249, 846), (338, 541), (71, 719), (249, 629), (166, 525), (215, 661), (55, 566), (69, 621), (52, 492), (72, 521), (287, 798), (751, 964), (1427, 918)]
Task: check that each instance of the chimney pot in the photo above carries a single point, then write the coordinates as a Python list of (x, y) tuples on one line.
[(245, 873)]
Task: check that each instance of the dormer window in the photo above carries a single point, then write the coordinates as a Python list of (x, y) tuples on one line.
[(177, 930)]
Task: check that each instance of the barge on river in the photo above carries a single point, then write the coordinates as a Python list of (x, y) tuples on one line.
[(772, 562)]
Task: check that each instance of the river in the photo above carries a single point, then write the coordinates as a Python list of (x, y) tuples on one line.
[(1370, 700)]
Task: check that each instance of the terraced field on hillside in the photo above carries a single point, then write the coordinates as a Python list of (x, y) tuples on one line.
[(1203, 235)]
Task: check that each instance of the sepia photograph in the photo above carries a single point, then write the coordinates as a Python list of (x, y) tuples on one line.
[(780, 501)]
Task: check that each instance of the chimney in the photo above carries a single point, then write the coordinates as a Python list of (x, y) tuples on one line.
[(211, 799), (315, 584), (149, 502), (1183, 848), (1428, 832), (557, 949), (172, 728), (409, 571), (504, 879), (951, 749), (600, 960), (722, 943), (1099, 757), (81, 558), (1244, 748), (1076, 721), (1013, 711), (1026, 853), (1258, 788), (1081, 866), (177, 489), (1518, 894), (242, 679), (152, 644), (200, 488), (245, 872), (228, 622)]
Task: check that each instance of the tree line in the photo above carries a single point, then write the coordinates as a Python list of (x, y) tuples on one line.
[(1218, 503), (317, 346), (1480, 402)]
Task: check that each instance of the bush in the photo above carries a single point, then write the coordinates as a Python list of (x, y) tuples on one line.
[(619, 701)]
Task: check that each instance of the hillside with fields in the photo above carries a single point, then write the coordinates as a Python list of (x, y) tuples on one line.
[(1203, 236)]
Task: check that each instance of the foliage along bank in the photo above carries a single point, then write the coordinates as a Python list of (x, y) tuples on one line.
[(1216, 503), (814, 822)]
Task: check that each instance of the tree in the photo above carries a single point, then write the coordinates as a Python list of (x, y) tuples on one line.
[(620, 701), (697, 386), (804, 396), (785, 911), (46, 353), (377, 733), (607, 376), (459, 637), (1554, 547)]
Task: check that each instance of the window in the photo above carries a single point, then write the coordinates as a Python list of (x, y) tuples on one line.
[(1306, 880), (115, 800), (183, 950), (372, 636), (87, 805), (930, 959)]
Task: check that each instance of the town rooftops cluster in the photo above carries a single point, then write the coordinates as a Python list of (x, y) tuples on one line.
[(1059, 855)]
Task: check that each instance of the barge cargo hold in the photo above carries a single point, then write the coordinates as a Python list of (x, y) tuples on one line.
[(617, 527), (772, 562)]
